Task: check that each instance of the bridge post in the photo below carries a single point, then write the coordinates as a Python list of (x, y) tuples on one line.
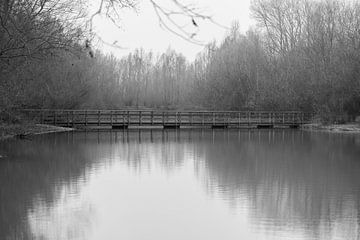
[(203, 118), (42, 117), (270, 118), (111, 117), (128, 119), (259, 117), (140, 117), (99, 118), (293, 118), (86, 118), (283, 118), (302, 118), (55, 118), (72, 118), (67, 118), (273, 118)]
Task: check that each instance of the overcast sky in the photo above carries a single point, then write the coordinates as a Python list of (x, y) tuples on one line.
[(142, 29)]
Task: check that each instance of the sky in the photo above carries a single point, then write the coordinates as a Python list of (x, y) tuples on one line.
[(141, 29)]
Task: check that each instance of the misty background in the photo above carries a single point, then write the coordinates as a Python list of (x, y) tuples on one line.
[(112, 54)]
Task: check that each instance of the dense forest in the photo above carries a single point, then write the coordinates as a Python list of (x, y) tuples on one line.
[(301, 55)]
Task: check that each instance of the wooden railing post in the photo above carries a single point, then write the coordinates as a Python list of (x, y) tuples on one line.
[(176, 119), (270, 119), (302, 118), (140, 117), (72, 118), (54, 117), (99, 118), (213, 118), (259, 118), (283, 118), (111, 117), (152, 117), (123, 118), (293, 118), (86, 122), (67, 119), (203, 118), (128, 119), (42, 117)]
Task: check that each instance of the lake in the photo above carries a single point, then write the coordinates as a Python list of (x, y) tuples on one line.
[(181, 185)]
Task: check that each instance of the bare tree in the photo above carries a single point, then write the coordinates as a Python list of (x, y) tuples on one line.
[(30, 29), (168, 17)]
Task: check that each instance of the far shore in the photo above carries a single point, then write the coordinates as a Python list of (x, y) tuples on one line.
[(336, 128), (8, 131)]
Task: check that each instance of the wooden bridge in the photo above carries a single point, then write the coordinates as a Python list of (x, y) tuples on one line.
[(168, 119)]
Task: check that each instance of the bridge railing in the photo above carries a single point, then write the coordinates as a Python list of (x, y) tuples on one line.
[(157, 117)]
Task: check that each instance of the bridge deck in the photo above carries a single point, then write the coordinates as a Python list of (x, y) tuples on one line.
[(136, 118)]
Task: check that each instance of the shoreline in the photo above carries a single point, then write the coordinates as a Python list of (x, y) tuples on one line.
[(333, 128), (9, 131)]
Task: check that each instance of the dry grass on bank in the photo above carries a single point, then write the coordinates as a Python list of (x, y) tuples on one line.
[(348, 127), (22, 130)]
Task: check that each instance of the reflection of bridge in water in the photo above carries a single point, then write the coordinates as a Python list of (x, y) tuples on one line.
[(294, 182), (169, 119)]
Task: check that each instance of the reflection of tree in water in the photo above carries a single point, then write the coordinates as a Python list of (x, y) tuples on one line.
[(34, 171), (289, 178), (152, 148)]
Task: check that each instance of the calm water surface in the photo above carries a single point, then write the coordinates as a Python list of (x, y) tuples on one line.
[(185, 185)]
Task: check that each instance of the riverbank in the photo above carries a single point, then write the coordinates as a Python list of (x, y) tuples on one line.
[(25, 130), (340, 128)]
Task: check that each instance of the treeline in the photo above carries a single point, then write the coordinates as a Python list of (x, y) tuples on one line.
[(34, 37), (302, 55)]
